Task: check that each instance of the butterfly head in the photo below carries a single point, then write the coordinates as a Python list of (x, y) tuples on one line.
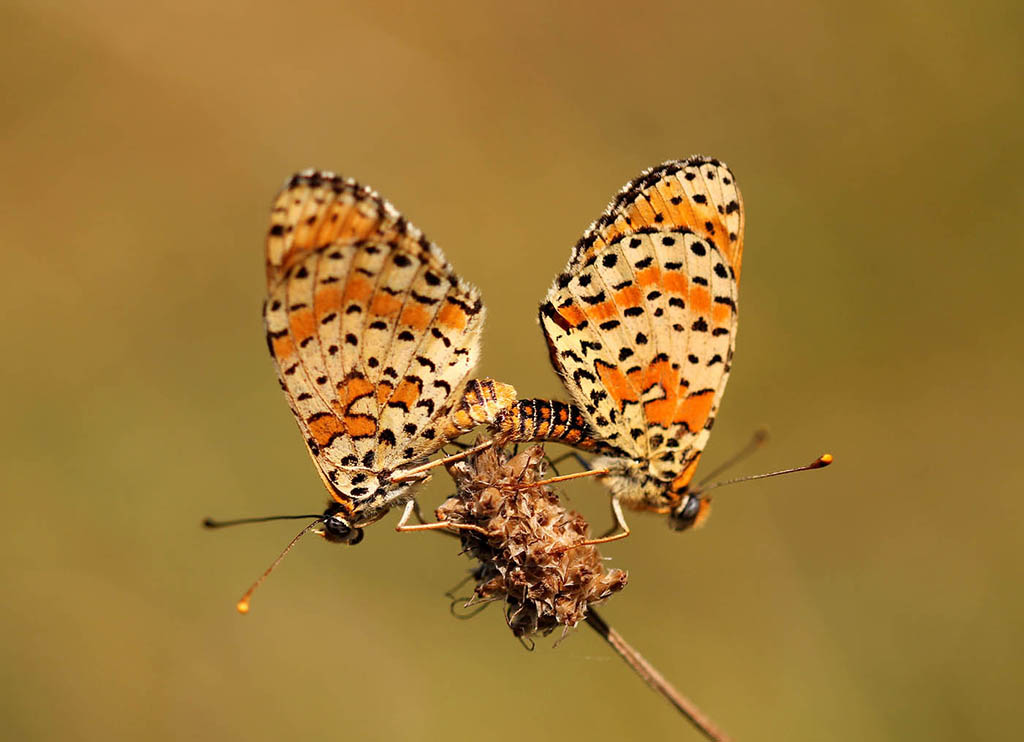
[(692, 511), (337, 526), (690, 508), (361, 497), (637, 487)]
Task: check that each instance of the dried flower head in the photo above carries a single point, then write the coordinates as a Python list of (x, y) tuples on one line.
[(530, 556)]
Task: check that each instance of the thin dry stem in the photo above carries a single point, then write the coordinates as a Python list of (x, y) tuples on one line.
[(655, 679)]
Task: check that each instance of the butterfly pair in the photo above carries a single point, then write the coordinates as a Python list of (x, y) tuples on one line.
[(375, 336)]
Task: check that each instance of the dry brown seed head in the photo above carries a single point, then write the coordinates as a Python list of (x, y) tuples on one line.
[(530, 557)]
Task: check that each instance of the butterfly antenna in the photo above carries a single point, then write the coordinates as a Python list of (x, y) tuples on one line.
[(758, 440), (243, 605), (211, 523), (819, 463)]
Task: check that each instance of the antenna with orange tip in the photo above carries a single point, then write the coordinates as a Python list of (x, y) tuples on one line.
[(819, 463), (243, 605), (759, 438)]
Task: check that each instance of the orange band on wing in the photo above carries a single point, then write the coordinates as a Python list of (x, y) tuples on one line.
[(661, 409), (415, 316), (384, 390), (628, 297), (327, 299), (322, 428), (452, 316), (357, 289), (601, 312), (352, 389), (385, 304), (617, 384), (360, 426), (283, 347), (301, 323), (649, 277), (675, 282), (357, 225), (700, 300), (572, 314), (406, 393), (696, 410)]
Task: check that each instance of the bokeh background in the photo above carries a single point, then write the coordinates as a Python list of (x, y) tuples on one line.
[(879, 148)]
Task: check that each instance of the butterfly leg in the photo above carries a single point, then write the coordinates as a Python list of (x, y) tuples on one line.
[(554, 462), (416, 511), (567, 477), (615, 521), (582, 461), (416, 472), (419, 517), (411, 508), (616, 513)]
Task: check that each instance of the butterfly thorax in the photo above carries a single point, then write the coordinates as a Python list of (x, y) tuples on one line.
[(638, 488), (635, 485)]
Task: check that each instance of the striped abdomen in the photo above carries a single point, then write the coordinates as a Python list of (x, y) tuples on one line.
[(548, 420), (483, 403)]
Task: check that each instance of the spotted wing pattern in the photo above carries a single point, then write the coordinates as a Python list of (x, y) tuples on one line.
[(698, 194), (642, 324), (373, 334)]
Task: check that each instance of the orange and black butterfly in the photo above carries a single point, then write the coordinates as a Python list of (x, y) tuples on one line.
[(641, 327), (374, 338)]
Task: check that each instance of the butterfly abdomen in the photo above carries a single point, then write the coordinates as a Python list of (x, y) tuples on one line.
[(483, 402), (531, 420)]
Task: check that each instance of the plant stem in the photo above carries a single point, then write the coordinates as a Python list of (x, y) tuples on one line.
[(653, 678)]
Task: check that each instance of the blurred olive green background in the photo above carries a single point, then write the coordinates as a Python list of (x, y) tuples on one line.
[(878, 146)]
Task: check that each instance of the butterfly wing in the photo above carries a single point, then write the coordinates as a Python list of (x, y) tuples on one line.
[(642, 323), (373, 333), (698, 194)]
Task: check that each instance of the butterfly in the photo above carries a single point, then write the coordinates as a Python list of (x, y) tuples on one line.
[(374, 337), (641, 327)]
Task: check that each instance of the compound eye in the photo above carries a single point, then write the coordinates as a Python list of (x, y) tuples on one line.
[(685, 516), (690, 510), (335, 529)]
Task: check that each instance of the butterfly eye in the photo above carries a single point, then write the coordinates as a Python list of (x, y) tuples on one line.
[(339, 531), (686, 515)]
